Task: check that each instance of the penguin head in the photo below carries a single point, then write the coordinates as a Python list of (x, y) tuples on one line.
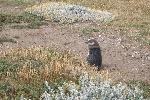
[(92, 43)]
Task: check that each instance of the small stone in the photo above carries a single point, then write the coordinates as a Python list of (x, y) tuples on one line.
[(136, 55), (148, 58)]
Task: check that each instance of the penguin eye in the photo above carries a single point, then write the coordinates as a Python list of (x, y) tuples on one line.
[(91, 43)]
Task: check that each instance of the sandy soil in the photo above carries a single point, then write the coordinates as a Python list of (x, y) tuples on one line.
[(124, 59)]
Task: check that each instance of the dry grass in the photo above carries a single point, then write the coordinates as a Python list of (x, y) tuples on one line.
[(23, 71), (35, 62)]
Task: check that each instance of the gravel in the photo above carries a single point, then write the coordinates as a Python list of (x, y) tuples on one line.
[(69, 13)]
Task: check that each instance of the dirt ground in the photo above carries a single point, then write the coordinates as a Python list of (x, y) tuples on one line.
[(123, 58)]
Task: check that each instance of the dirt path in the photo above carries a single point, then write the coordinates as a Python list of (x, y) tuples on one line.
[(124, 59)]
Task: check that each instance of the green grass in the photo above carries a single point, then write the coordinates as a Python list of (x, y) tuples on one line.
[(1, 28), (23, 17), (6, 39), (142, 85), (17, 2), (32, 25), (30, 20), (89, 31)]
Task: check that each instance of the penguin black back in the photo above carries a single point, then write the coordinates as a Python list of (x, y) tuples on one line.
[(94, 57)]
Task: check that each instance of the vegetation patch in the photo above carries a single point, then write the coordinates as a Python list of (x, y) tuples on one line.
[(23, 17), (89, 31), (6, 39), (32, 25), (17, 2), (69, 13), (29, 20), (92, 88), (139, 32), (142, 85), (23, 71), (35, 73)]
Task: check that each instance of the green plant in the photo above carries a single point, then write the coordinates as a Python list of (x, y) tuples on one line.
[(88, 31), (29, 20), (17, 2), (92, 89), (142, 85), (5, 39), (25, 70), (36, 24), (23, 17)]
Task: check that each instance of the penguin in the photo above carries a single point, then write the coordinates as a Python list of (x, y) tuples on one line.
[(94, 57)]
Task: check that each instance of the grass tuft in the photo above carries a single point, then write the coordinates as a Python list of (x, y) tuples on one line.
[(142, 85), (23, 71), (6, 39), (17, 2), (89, 31), (29, 20)]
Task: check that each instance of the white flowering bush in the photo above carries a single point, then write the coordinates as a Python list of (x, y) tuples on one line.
[(69, 13), (92, 89)]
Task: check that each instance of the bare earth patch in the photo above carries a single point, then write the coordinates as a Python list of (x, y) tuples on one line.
[(122, 58)]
